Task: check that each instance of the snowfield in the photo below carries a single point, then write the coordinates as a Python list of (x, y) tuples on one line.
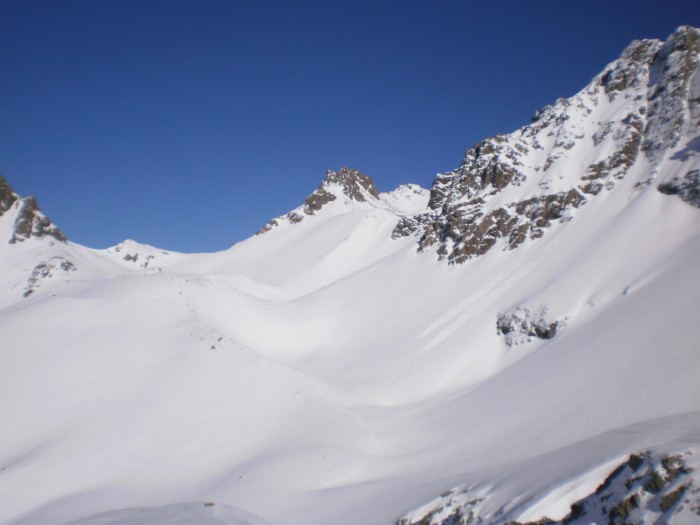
[(323, 372)]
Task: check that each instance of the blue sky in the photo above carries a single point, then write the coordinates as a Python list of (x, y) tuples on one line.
[(188, 124)]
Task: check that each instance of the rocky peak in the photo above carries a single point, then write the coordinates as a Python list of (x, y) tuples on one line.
[(28, 221), (512, 188), (353, 183), (631, 69), (346, 183)]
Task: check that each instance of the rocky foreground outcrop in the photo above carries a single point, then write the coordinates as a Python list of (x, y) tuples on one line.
[(646, 489)]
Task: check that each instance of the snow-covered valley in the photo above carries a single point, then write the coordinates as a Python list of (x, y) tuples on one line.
[(495, 346)]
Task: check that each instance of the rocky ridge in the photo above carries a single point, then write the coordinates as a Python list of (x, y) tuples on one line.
[(28, 221), (513, 188)]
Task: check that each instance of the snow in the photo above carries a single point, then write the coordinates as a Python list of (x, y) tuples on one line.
[(323, 372), (331, 376)]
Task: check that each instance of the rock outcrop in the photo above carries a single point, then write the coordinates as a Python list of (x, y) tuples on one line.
[(521, 324), (648, 488), (57, 268), (28, 221)]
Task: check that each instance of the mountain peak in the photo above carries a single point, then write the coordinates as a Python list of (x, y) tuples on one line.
[(639, 118), (345, 184), (26, 217), (353, 183)]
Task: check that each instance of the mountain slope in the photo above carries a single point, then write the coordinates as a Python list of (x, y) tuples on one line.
[(639, 119), (325, 371)]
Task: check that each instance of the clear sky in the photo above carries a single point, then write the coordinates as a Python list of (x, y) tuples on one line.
[(189, 124)]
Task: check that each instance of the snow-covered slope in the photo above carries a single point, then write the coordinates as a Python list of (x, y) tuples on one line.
[(325, 370)]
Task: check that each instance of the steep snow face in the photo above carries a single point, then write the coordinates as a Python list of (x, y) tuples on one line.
[(638, 119), (325, 372)]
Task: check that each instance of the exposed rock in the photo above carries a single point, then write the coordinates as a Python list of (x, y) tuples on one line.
[(670, 499), (615, 166), (142, 256), (674, 102), (55, 267), (7, 196), (29, 221), (488, 166), (464, 231), (472, 208), (520, 325), (631, 493), (353, 184), (687, 187), (631, 71)]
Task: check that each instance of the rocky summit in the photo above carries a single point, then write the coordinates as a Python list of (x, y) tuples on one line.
[(346, 183)]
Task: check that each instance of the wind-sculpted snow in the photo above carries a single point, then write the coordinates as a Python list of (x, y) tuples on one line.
[(323, 372)]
